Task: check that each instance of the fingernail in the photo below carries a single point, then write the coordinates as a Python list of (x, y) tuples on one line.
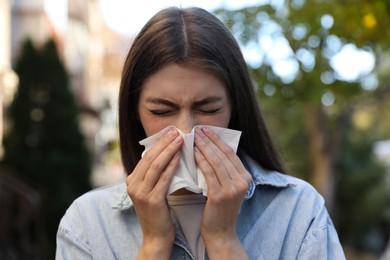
[(178, 139), (172, 133), (196, 136), (207, 131), (199, 132)]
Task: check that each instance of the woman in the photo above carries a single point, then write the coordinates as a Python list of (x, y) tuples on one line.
[(185, 69)]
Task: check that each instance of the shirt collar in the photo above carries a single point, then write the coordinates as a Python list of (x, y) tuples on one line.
[(123, 200), (260, 176)]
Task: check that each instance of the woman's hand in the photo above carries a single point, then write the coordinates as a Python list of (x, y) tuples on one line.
[(227, 181), (147, 187)]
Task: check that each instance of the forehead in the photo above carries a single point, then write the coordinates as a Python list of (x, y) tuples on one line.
[(182, 81)]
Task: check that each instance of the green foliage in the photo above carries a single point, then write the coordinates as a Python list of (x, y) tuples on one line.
[(44, 141), (315, 31), (292, 141), (362, 195)]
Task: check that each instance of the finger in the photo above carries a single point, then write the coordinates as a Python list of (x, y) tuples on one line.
[(212, 166), (227, 150), (165, 179), (232, 163), (161, 163), (215, 157), (151, 155), (220, 186), (207, 170)]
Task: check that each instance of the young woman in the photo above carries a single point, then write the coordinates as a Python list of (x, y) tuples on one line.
[(185, 69)]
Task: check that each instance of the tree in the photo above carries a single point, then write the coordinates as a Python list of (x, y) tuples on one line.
[(303, 91), (362, 194), (314, 32), (44, 141)]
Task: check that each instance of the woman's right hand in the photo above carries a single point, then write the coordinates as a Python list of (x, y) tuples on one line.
[(147, 187)]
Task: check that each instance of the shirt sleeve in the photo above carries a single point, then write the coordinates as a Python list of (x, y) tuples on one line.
[(321, 240), (69, 244), (69, 247)]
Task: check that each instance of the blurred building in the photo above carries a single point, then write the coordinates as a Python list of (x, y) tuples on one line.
[(8, 79), (93, 55)]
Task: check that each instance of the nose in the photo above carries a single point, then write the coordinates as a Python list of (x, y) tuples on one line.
[(185, 122)]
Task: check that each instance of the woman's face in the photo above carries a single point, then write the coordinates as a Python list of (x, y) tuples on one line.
[(183, 97)]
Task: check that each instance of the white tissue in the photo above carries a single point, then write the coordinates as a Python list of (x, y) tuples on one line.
[(188, 174)]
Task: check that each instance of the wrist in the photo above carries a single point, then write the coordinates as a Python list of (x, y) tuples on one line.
[(217, 241), (155, 248), (225, 247)]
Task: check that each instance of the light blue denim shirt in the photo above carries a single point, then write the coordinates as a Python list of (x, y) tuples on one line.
[(282, 217)]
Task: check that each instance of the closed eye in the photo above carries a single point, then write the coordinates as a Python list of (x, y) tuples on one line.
[(159, 112), (209, 111)]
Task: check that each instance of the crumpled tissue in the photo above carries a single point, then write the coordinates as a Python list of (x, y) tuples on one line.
[(188, 174)]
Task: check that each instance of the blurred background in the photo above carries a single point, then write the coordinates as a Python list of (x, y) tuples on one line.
[(321, 70)]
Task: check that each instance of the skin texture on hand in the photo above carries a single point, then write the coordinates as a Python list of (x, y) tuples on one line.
[(227, 181), (147, 187)]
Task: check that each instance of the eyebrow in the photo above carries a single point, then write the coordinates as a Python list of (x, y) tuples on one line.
[(199, 103)]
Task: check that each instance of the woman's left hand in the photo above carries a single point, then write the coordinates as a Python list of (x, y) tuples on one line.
[(227, 181)]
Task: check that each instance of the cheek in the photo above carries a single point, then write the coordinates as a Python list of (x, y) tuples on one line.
[(224, 119), (221, 120), (153, 125)]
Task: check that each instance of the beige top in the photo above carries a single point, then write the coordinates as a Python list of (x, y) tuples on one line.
[(188, 210)]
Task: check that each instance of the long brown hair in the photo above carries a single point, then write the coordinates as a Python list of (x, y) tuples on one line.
[(191, 37)]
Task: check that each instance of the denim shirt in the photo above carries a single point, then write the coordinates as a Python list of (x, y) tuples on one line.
[(282, 217)]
